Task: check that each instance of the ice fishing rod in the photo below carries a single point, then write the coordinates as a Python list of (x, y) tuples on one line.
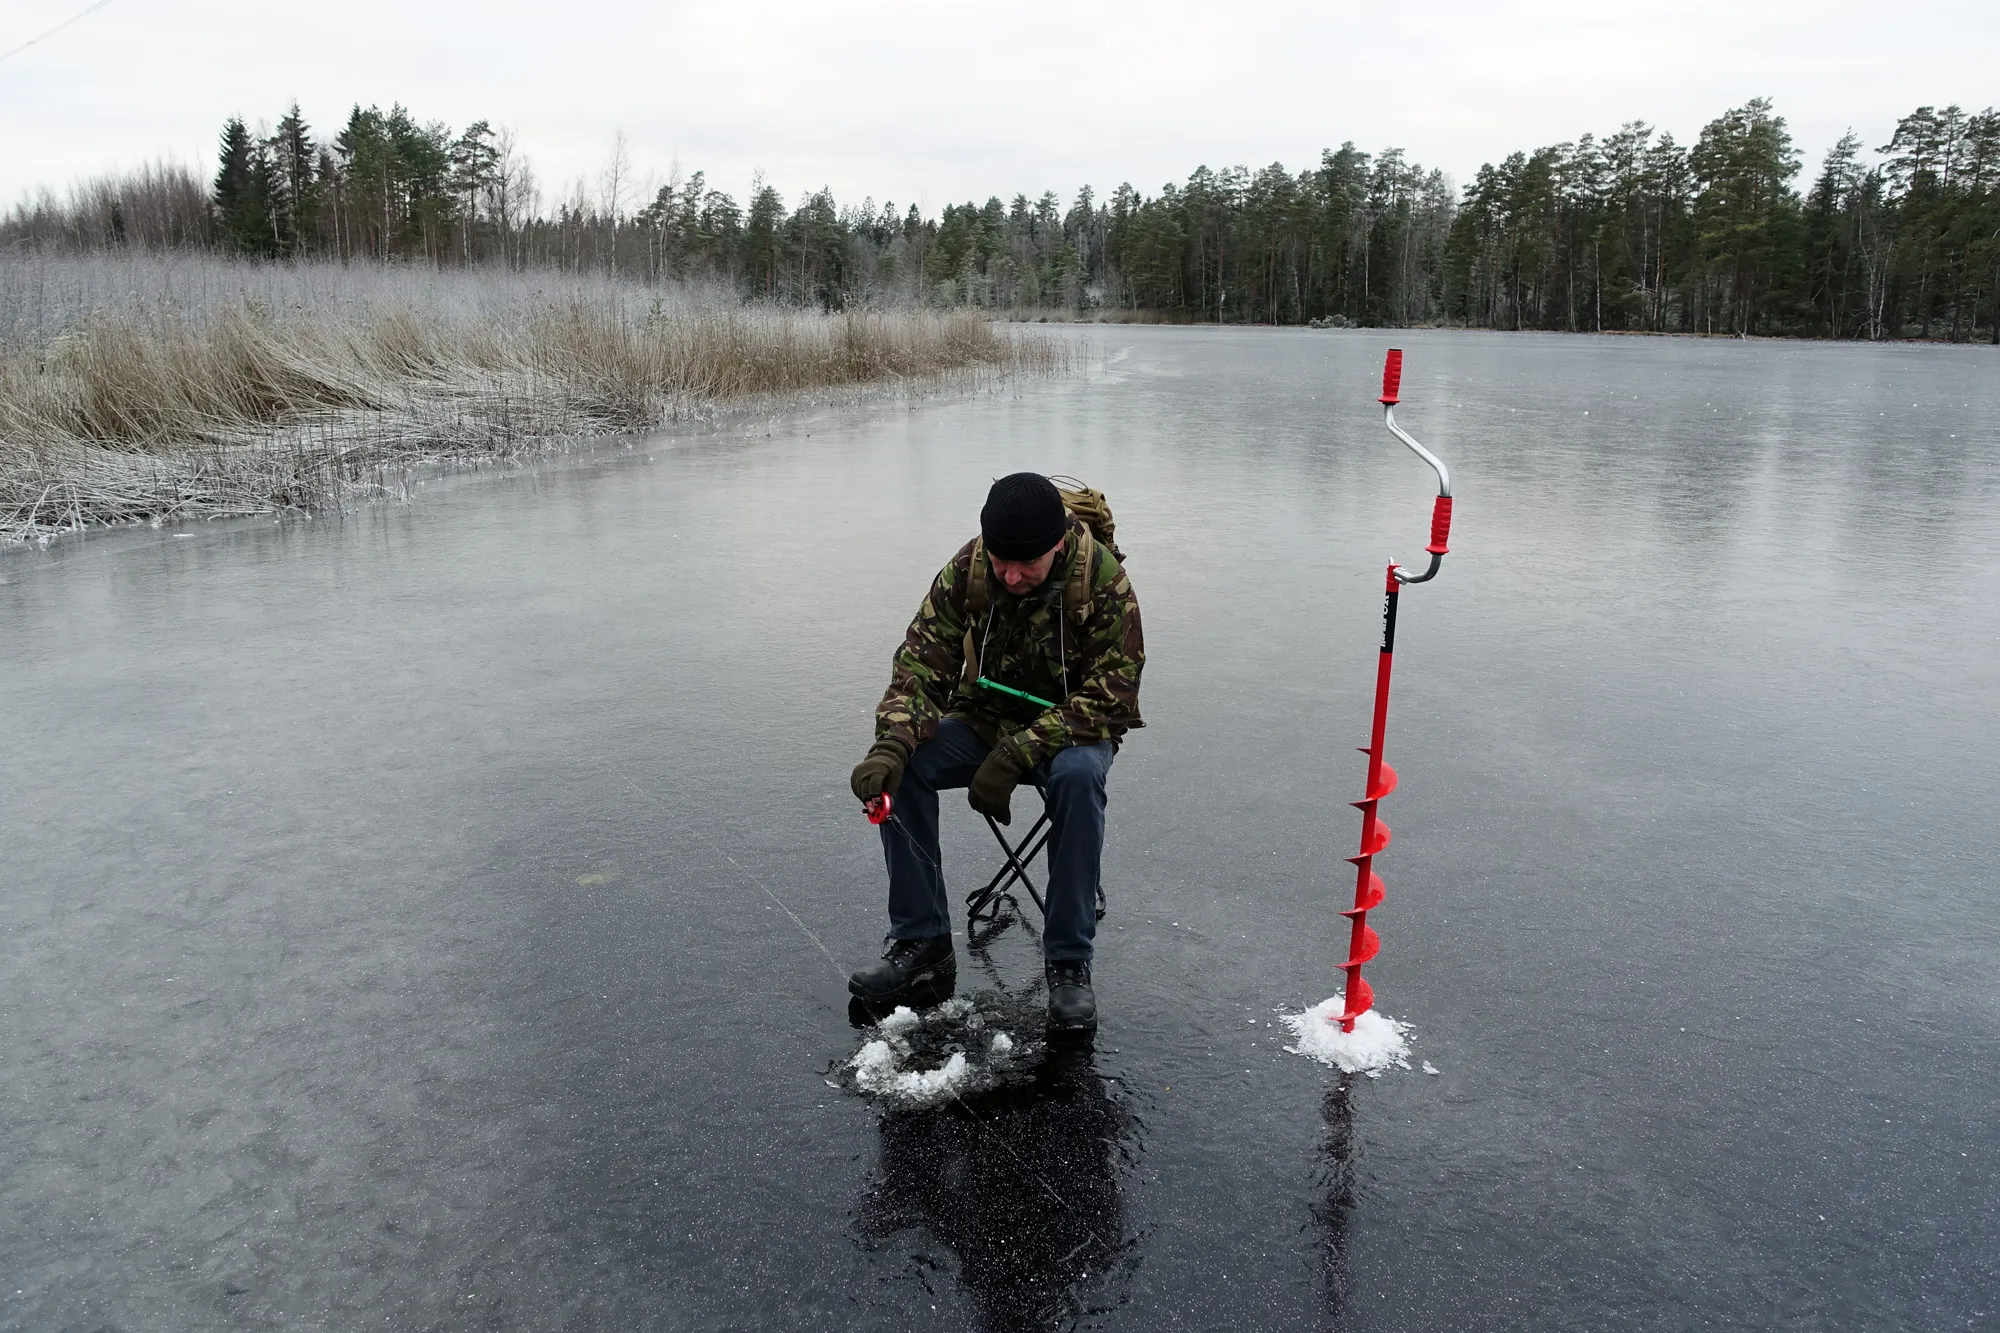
[(881, 809), (1362, 941)]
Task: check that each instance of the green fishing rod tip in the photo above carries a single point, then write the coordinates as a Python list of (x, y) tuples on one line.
[(1018, 694)]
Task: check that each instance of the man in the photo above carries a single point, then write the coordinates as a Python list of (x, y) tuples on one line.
[(1024, 659)]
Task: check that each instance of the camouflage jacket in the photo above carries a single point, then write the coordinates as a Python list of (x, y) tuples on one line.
[(1089, 667)]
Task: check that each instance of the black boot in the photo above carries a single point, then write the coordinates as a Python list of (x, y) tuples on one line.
[(1072, 1006), (913, 972)]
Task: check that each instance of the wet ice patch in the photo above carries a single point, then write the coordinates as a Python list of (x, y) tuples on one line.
[(1377, 1042), (916, 1058), (929, 1084)]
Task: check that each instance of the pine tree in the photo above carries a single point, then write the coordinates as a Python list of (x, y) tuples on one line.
[(763, 261), (241, 191), (474, 174), (368, 172), (1831, 229), (294, 187), (232, 174), (1746, 211)]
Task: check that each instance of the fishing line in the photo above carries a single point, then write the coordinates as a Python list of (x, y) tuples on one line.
[(977, 1119), (918, 847), (80, 14), (839, 971)]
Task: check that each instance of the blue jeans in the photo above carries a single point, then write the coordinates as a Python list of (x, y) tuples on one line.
[(918, 908)]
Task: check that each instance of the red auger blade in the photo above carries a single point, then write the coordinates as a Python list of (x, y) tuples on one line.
[(1377, 839), (1369, 897), (1360, 999), (1371, 944), (1384, 784)]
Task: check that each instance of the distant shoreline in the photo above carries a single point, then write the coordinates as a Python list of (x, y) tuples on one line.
[(1147, 319)]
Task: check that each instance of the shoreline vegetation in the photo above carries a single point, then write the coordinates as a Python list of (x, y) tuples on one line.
[(320, 315), (1631, 231), (138, 388)]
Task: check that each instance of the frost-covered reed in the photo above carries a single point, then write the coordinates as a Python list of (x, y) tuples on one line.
[(138, 387)]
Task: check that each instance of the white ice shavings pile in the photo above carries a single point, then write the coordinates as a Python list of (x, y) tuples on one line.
[(879, 1069), (901, 1021), (1377, 1041), (882, 1067)]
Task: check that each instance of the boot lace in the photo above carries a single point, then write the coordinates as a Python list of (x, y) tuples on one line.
[(1073, 972), (901, 951)]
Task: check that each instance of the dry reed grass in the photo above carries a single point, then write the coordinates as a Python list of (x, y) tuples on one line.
[(136, 388)]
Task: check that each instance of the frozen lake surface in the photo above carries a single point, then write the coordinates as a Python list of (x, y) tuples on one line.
[(399, 908)]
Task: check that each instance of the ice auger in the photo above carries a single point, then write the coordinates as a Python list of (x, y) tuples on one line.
[(1362, 941)]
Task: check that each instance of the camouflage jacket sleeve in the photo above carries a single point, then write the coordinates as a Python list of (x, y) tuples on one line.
[(1112, 648), (929, 663)]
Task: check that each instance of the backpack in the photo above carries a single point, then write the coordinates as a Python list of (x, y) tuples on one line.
[(1083, 502)]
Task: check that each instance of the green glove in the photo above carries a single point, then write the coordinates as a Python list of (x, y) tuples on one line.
[(881, 771), (993, 785)]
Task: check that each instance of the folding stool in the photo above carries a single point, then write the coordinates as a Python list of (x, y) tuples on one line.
[(983, 903)]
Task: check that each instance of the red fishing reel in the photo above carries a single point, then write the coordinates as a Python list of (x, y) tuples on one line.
[(879, 808)]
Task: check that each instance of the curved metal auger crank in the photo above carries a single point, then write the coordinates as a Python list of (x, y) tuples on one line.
[(1392, 383)]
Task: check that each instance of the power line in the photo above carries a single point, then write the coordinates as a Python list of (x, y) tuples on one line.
[(80, 14)]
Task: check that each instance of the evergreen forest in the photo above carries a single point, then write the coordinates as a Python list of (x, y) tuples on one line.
[(1633, 231)]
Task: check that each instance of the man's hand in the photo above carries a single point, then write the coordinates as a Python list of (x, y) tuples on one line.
[(881, 771), (993, 785)]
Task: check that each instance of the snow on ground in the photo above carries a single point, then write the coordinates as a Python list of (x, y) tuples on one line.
[(915, 1059), (1377, 1041)]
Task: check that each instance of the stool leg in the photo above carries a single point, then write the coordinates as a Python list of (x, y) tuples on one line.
[(987, 897), (1015, 869), (1022, 862)]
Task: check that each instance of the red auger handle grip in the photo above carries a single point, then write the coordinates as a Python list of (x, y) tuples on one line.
[(1440, 525), (1392, 377), (879, 809)]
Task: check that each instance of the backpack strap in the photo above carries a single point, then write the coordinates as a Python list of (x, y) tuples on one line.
[(978, 597), (978, 582), (1076, 595), (1082, 569)]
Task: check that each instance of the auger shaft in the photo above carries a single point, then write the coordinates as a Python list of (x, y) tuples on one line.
[(1362, 941)]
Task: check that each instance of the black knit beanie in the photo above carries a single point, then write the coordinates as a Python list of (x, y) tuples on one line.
[(1024, 517)]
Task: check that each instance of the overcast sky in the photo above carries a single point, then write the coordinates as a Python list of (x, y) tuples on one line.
[(935, 102)]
